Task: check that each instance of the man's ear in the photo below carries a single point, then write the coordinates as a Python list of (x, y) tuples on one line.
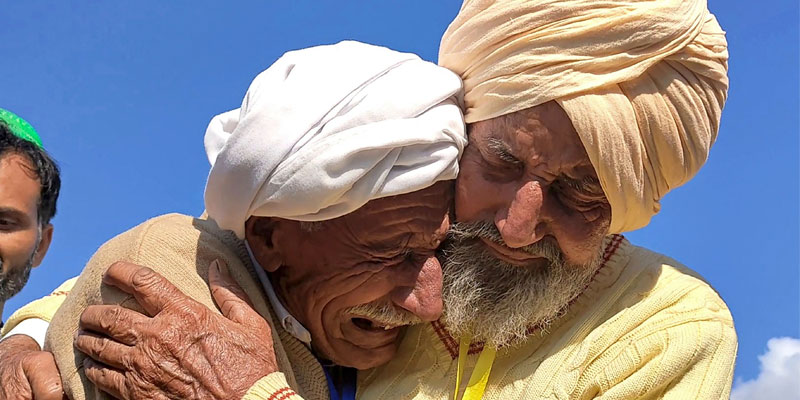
[(44, 244), (258, 233)]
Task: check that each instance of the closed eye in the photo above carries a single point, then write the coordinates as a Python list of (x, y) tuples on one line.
[(502, 151), (582, 195), (12, 219), (397, 258), (500, 165)]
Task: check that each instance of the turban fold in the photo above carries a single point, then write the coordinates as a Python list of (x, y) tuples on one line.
[(326, 129), (643, 82)]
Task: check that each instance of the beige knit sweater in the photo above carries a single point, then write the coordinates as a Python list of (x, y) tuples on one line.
[(646, 328), (180, 248)]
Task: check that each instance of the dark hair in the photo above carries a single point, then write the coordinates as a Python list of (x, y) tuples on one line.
[(43, 166)]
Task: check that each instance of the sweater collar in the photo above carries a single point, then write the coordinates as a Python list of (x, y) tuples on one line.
[(290, 324)]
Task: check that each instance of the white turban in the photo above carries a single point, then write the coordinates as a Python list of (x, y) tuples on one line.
[(643, 82), (326, 129)]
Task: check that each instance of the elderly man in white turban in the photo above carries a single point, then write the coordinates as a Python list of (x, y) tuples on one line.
[(329, 192), (581, 116)]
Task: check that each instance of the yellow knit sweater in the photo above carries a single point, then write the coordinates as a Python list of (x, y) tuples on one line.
[(645, 328), (43, 308)]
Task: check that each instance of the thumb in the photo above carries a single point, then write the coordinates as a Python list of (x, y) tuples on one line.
[(229, 296)]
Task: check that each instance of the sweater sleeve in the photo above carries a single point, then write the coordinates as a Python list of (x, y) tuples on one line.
[(179, 248), (271, 387), (43, 308)]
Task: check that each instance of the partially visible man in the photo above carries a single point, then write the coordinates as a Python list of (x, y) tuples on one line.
[(29, 187), (581, 116)]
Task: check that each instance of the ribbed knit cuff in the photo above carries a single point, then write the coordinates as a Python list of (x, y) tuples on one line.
[(271, 387)]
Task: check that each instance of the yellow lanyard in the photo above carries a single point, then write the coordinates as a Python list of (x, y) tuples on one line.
[(480, 375)]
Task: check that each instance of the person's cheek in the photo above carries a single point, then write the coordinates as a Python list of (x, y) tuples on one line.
[(15, 249), (581, 240)]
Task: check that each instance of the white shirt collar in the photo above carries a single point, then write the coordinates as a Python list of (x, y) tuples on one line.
[(289, 323)]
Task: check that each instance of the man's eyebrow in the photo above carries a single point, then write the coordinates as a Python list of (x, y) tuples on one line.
[(503, 151), (12, 212), (18, 216), (588, 184)]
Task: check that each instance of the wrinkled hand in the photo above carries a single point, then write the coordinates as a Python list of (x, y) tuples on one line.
[(181, 349), (27, 372)]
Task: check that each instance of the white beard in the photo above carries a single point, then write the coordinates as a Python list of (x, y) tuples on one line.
[(497, 302)]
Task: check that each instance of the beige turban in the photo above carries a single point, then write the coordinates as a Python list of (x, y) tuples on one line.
[(643, 82), (326, 129)]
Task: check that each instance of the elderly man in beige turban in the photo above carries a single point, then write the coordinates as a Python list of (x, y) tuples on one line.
[(581, 116)]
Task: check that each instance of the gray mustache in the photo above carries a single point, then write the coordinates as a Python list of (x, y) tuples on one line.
[(385, 313), (461, 233)]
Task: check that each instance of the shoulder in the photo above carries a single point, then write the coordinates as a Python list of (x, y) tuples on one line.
[(677, 288), (669, 324), (664, 303), (169, 234), (656, 300), (178, 247), (170, 226), (636, 285)]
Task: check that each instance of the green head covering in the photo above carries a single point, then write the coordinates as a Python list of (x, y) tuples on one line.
[(20, 127)]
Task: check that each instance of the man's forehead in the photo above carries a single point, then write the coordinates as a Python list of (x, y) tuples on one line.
[(403, 220), (539, 134)]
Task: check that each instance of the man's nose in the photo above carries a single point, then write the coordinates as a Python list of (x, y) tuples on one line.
[(519, 221), (422, 295)]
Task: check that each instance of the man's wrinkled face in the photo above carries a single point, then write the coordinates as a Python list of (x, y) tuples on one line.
[(354, 281), (529, 175), (531, 221), (20, 233)]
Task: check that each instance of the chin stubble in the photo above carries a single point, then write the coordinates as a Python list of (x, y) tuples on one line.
[(497, 302), (14, 280)]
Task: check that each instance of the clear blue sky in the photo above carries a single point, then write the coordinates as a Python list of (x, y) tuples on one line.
[(121, 94)]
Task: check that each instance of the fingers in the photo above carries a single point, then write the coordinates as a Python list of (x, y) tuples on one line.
[(151, 290), (114, 321), (107, 379), (43, 376), (103, 349), (229, 296)]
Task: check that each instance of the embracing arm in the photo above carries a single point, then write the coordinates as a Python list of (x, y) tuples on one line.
[(180, 249), (178, 348)]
